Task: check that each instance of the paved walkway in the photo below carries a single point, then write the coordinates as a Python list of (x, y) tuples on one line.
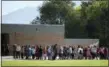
[(7, 58)]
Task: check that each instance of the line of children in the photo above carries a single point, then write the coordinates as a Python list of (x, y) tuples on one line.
[(59, 52)]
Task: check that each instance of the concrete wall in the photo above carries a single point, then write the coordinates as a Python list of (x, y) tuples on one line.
[(40, 35), (83, 42), (33, 34), (32, 29)]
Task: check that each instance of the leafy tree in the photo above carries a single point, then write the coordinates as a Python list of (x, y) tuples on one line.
[(90, 20), (55, 12), (97, 25), (36, 20)]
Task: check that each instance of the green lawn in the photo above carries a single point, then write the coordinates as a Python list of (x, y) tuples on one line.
[(55, 63)]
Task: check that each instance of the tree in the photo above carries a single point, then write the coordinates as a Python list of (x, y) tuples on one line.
[(97, 26), (90, 20), (36, 20), (55, 12)]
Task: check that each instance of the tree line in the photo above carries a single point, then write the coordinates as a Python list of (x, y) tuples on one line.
[(89, 20)]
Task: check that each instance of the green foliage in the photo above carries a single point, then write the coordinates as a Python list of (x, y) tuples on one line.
[(36, 20), (97, 25), (90, 20), (55, 12)]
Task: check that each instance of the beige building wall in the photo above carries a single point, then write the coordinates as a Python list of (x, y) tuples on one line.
[(42, 39), (28, 34), (43, 35)]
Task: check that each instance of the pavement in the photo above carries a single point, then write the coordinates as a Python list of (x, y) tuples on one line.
[(6, 58)]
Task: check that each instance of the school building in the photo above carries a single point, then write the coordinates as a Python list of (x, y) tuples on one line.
[(32, 34)]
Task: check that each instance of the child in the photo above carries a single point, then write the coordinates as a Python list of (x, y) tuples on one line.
[(33, 52), (30, 52), (44, 53), (22, 52)]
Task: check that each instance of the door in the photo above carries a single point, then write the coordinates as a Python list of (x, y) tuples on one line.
[(4, 42)]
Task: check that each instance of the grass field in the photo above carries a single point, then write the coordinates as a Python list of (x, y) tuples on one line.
[(55, 63)]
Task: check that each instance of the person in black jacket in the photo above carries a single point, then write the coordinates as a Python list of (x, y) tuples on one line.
[(40, 52), (26, 51), (55, 51), (22, 52), (14, 51)]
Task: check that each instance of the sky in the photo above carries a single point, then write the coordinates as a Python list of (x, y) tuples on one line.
[(11, 6)]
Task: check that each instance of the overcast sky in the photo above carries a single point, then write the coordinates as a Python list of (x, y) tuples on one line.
[(11, 6)]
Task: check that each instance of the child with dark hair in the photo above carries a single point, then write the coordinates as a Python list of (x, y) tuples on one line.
[(33, 52), (64, 52), (94, 52), (22, 52), (14, 51), (70, 52), (49, 52), (80, 52), (102, 55), (18, 49), (55, 51), (26, 51), (37, 52), (105, 53), (84, 54), (88, 53), (73, 48), (40, 52), (44, 53), (30, 52), (61, 52), (98, 53)]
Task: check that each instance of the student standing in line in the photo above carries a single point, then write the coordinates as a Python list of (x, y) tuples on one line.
[(33, 52), (98, 53), (22, 52), (70, 52), (88, 53), (101, 52), (49, 52), (94, 52), (80, 52), (57, 56), (37, 52), (30, 52), (18, 49), (40, 52), (105, 53), (61, 52), (45, 53), (85, 52), (14, 51), (64, 52), (26, 51), (73, 52), (67, 54), (55, 51), (52, 52)]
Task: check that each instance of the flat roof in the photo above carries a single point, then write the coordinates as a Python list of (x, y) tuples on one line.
[(32, 28), (81, 41), (33, 24)]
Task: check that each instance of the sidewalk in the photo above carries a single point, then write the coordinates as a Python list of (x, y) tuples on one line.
[(6, 58)]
